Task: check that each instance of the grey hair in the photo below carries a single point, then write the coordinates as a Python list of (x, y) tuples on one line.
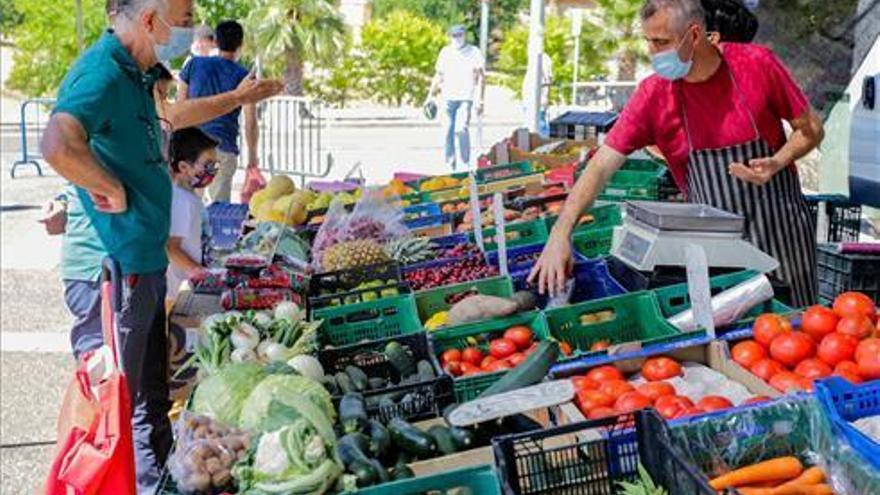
[(686, 11), (131, 8)]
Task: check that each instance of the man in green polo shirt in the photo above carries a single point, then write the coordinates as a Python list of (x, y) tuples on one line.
[(105, 139)]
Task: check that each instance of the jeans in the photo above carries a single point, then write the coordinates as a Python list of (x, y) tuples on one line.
[(543, 124), (143, 345), (221, 188), (457, 124)]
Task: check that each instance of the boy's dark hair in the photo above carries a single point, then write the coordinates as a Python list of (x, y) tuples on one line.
[(163, 73), (229, 36), (187, 144)]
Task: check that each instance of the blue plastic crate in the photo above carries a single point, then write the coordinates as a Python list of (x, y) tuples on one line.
[(226, 220), (843, 402)]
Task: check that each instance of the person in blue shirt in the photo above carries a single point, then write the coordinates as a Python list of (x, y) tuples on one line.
[(206, 76)]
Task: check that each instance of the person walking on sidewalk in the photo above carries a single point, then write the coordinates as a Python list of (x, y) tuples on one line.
[(206, 76), (459, 69)]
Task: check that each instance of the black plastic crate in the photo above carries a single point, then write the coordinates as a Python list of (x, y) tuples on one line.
[(434, 394), (666, 464), (340, 286), (841, 272), (582, 125), (844, 217), (587, 458), (667, 189)]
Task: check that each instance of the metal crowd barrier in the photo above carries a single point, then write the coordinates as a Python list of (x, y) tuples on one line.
[(33, 117)]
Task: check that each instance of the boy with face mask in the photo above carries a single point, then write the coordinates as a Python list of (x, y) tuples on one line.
[(193, 164)]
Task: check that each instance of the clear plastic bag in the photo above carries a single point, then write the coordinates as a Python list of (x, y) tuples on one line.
[(204, 454)]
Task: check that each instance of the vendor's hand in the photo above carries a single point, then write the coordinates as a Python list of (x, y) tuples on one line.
[(553, 266), (759, 171), (252, 90), (253, 162), (54, 217), (111, 200)]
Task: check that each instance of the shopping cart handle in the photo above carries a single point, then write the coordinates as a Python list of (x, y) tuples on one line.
[(112, 272)]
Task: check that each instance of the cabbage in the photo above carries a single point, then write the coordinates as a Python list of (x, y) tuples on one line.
[(289, 390), (222, 394)]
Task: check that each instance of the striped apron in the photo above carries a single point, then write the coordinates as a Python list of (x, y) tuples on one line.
[(777, 219)]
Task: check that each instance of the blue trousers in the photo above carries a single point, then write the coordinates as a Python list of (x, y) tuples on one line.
[(143, 344), (458, 121)]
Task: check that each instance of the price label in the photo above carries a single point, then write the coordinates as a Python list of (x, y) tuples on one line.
[(698, 287)]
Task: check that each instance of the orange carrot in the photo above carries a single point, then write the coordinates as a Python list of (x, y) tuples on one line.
[(810, 476), (781, 468), (818, 489)]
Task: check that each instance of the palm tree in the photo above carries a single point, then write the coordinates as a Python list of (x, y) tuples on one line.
[(620, 22), (289, 32)]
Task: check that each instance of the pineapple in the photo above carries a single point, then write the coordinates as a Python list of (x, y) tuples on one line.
[(410, 250), (345, 255)]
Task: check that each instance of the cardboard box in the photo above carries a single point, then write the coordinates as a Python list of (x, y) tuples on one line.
[(715, 355), (520, 146)]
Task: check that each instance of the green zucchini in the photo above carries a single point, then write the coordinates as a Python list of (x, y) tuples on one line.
[(412, 439), (358, 378), (330, 384), (530, 372), (462, 437), (344, 382), (402, 472), (376, 383), (352, 413), (380, 439), (425, 371), (443, 438), (401, 359), (349, 450), (365, 472)]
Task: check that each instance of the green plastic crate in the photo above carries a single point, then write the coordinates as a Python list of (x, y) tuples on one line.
[(593, 243), (674, 299), (606, 215), (518, 234), (429, 302), (469, 387), (502, 172), (643, 165), (416, 184), (352, 323), (477, 480), (635, 318), (630, 184)]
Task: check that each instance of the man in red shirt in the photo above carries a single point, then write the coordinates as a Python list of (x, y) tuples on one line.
[(715, 112)]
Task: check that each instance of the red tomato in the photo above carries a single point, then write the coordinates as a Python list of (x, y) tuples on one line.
[(858, 326), (669, 406), (500, 364), (631, 401), (768, 326), (818, 321), (516, 358), (603, 373), (655, 390), (583, 383), (813, 368), (660, 368), (711, 403), (450, 356), (847, 367), (453, 368), (488, 360), (836, 348), (755, 400), (519, 335), (786, 380), (615, 388), (601, 412), (748, 352), (792, 347), (587, 400), (468, 368), (868, 358), (766, 368), (689, 411), (600, 345), (501, 348), (855, 303), (472, 355), (565, 348)]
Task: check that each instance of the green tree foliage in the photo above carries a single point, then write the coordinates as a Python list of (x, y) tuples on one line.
[(400, 52), (213, 12), (9, 17), (337, 81), (559, 46), (46, 42), (620, 36)]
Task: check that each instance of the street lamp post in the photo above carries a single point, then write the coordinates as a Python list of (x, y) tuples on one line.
[(576, 24), (484, 27)]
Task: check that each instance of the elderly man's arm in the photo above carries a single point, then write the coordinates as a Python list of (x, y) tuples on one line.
[(196, 111), (65, 147), (251, 133)]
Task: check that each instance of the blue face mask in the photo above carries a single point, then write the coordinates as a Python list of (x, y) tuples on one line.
[(178, 44), (668, 65)]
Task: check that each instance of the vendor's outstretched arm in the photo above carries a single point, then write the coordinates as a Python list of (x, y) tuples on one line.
[(195, 111), (554, 265)]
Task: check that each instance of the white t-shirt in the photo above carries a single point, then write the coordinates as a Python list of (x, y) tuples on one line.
[(187, 221), (546, 79), (459, 70)]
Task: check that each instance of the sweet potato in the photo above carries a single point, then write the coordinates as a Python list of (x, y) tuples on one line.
[(480, 307)]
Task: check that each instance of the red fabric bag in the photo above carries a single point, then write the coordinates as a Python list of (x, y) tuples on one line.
[(95, 451), (253, 182)]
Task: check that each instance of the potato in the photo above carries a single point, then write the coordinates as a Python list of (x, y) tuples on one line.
[(226, 458), (198, 481), (213, 464), (200, 432), (221, 478)]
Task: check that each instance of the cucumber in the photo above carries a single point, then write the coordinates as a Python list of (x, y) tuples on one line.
[(380, 439), (462, 437), (401, 359), (358, 377), (330, 384), (376, 383), (365, 472), (349, 450), (402, 472), (412, 439), (352, 413), (425, 371), (344, 382), (530, 372), (443, 438)]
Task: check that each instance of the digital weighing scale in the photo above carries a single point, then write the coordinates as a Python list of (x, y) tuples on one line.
[(655, 234)]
